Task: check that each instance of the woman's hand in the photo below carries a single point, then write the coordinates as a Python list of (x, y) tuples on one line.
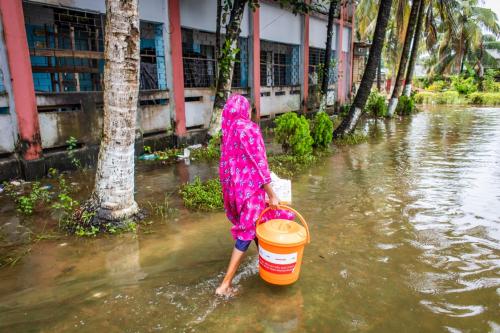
[(274, 202), (273, 198)]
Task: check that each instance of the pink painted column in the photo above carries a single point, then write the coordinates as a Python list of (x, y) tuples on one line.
[(340, 65), (305, 57), (353, 22), (174, 13), (23, 88), (256, 62)]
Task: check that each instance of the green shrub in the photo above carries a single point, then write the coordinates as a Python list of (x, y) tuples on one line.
[(204, 196), (293, 133), (489, 83), (424, 97), (344, 109), (322, 130), (406, 106), (438, 86), (481, 98), (376, 105), (448, 97), (463, 86)]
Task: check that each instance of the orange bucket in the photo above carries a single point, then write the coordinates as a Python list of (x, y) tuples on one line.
[(281, 246)]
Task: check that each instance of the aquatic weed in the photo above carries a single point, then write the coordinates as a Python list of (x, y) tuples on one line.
[(203, 196)]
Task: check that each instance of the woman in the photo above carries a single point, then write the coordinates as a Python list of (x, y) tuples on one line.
[(245, 179)]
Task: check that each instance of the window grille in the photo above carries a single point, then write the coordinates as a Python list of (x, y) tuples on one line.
[(66, 48), (279, 64)]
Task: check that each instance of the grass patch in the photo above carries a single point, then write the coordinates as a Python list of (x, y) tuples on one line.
[(484, 98), (202, 196), (351, 139), (287, 166)]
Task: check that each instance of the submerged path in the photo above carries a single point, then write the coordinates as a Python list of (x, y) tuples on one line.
[(405, 238)]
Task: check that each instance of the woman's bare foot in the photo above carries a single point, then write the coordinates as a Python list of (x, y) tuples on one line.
[(225, 290)]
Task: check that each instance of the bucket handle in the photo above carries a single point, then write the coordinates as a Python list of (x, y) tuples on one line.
[(285, 207)]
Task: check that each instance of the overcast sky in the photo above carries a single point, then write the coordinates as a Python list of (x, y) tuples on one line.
[(493, 4)]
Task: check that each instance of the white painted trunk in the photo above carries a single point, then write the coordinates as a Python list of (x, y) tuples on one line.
[(352, 125), (393, 103), (114, 183), (407, 90), (323, 102)]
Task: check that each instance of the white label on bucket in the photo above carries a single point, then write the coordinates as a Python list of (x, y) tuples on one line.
[(277, 263)]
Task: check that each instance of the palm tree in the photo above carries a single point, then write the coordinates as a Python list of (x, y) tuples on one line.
[(414, 49), (112, 199), (328, 55), (410, 33), (456, 38), (349, 122)]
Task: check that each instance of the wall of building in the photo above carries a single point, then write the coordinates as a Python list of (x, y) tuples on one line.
[(64, 113)]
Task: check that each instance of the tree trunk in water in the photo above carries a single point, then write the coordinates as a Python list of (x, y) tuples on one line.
[(379, 74), (414, 50), (410, 32), (226, 65), (349, 122), (217, 30), (328, 54), (113, 195)]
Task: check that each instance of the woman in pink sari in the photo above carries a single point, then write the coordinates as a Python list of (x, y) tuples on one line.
[(245, 179)]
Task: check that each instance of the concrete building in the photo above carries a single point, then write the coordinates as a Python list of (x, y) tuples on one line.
[(51, 63)]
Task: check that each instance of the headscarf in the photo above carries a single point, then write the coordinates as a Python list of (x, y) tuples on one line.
[(243, 165)]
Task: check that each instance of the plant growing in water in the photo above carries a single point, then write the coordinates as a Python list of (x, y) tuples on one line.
[(376, 105), (204, 196), (406, 106), (72, 143), (293, 133)]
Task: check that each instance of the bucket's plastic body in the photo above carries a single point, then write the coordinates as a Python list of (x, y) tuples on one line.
[(281, 247)]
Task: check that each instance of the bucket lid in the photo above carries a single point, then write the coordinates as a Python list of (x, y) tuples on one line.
[(281, 232)]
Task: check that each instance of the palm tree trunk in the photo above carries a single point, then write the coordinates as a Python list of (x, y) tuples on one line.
[(412, 22), (328, 54), (226, 65), (379, 75), (349, 122), (217, 29), (113, 197), (414, 50)]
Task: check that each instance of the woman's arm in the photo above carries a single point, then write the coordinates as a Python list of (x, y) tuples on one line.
[(273, 198)]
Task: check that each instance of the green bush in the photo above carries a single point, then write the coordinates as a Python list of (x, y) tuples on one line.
[(344, 109), (463, 86), (293, 133), (449, 97), (489, 83), (480, 98), (376, 105), (204, 196), (406, 106), (322, 130), (438, 86)]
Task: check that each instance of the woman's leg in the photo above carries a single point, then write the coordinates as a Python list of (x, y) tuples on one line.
[(225, 287)]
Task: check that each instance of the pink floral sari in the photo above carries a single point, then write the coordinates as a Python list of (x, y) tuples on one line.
[(243, 169)]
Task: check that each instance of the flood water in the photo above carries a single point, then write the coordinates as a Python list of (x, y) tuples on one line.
[(405, 238)]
